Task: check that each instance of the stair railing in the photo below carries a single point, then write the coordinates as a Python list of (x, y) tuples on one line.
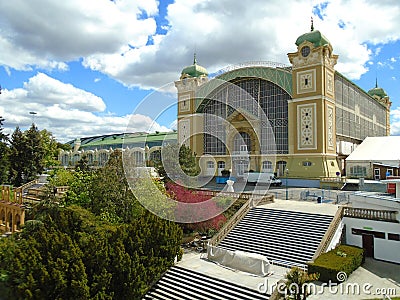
[(330, 232)]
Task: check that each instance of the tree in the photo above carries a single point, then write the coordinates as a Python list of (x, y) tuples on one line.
[(35, 152), (30, 153), (83, 164), (296, 280), (17, 157), (68, 253), (4, 152), (50, 149), (169, 169), (110, 193), (80, 186)]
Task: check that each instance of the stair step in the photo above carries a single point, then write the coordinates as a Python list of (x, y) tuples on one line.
[(182, 283), (282, 236)]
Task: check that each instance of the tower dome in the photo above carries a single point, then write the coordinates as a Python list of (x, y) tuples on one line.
[(194, 70), (314, 36), (377, 91)]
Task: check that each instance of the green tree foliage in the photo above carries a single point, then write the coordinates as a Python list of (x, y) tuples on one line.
[(187, 162), (61, 177), (4, 151), (67, 253), (50, 148), (296, 280), (34, 153), (17, 157), (31, 152), (80, 186), (83, 164), (46, 265), (110, 194)]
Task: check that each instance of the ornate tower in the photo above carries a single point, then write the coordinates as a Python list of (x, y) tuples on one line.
[(380, 95), (189, 124), (312, 134)]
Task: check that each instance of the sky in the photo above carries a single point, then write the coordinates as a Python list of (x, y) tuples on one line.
[(83, 68)]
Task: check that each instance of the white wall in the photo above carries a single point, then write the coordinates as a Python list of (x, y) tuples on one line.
[(384, 249)]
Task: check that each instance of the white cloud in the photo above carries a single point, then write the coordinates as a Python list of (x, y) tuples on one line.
[(46, 33), (395, 121), (229, 32), (112, 36), (65, 110), (119, 39)]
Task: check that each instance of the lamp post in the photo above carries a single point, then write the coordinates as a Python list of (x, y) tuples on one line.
[(287, 191), (32, 113)]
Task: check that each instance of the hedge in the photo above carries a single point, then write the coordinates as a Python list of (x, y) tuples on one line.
[(343, 258)]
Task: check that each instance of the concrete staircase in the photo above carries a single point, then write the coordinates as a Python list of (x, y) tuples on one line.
[(181, 283), (286, 238)]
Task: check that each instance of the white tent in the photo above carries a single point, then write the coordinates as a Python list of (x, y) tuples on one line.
[(383, 150)]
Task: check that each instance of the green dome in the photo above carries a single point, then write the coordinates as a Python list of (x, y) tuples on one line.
[(377, 91), (315, 37), (194, 70)]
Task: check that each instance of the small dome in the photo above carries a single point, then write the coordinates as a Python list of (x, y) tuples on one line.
[(377, 91), (315, 37), (194, 70)]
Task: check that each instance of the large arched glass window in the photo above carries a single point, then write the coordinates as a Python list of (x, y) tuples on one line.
[(272, 99)]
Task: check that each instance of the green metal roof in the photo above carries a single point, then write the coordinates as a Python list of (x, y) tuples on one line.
[(377, 92), (315, 37), (194, 70), (117, 140), (280, 76)]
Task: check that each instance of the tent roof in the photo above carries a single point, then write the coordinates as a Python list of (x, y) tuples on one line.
[(379, 149)]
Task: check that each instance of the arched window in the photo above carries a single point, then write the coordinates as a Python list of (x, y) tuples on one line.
[(64, 160), (155, 155), (267, 166), (281, 167), (222, 103), (103, 158), (242, 139), (221, 167), (138, 157)]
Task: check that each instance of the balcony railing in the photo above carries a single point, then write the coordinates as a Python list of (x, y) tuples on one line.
[(371, 214)]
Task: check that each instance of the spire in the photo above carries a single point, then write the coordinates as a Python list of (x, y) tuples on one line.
[(312, 24), (194, 59), (376, 82)]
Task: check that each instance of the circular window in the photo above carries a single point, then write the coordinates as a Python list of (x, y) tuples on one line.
[(305, 51)]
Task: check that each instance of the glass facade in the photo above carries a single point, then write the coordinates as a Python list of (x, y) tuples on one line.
[(357, 114), (269, 97)]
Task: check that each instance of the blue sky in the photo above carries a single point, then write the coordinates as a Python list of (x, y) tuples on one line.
[(85, 66)]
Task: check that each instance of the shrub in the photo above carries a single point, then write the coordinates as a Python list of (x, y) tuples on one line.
[(343, 258), (296, 280), (185, 212)]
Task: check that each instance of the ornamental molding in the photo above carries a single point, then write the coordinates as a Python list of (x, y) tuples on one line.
[(306, 124), (330, 124), (184, 131)]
